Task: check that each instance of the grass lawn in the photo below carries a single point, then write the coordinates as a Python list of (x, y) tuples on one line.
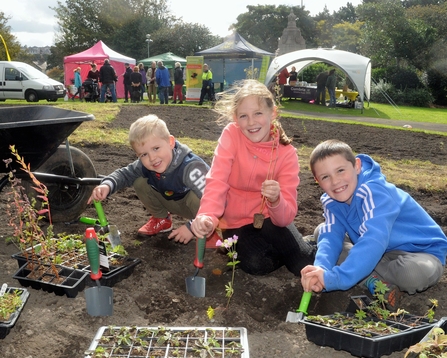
[(374, 110)]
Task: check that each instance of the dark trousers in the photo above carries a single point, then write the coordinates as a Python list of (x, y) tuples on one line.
[(209, 91), (265, 250), (321, 95), (127, 92)]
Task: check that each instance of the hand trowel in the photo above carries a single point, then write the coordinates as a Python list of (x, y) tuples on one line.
[(298, 316), (195, 285), (99, 299)]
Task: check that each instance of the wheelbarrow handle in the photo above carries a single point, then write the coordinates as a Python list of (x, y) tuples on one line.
[(200, 252), (91, 243), (100, 211)]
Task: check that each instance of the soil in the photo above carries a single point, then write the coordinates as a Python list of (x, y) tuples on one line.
[(155, 294)]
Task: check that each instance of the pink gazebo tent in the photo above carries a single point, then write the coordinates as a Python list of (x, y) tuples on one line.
[(97, 54)]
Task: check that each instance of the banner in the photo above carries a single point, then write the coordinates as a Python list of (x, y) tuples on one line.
[(194, 68), (264, 68)]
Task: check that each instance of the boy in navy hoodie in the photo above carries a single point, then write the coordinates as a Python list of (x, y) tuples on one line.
[(167, 177), (373, 231)]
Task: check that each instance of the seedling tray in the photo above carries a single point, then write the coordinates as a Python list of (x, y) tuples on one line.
[(373, 346), (6, 326), (184, 342), (116, 273), (72, 284), (442, 323), (109, 278)]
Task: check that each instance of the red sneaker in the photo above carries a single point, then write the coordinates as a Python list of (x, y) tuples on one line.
[(211, 241), (156, 225)]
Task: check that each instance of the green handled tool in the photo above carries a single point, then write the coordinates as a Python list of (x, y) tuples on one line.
[(195, 286), (99, 299), (298, 316)]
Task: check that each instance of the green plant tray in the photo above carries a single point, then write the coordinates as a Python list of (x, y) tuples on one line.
[(6, 326), (169, 342)]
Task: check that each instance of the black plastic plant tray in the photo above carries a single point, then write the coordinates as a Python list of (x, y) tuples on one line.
[(6, 326), (170, 342), (74, 281), (116, 273), (361, 346)]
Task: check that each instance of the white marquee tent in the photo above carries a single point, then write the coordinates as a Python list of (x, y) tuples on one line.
[(356, 67)]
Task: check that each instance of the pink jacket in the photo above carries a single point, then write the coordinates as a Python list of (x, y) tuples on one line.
[(233, 185)]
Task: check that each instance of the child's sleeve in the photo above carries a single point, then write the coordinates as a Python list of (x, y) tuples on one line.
[(123, 177), (194, 176)]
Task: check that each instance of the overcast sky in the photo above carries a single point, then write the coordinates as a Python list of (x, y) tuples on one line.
[(34, 24)]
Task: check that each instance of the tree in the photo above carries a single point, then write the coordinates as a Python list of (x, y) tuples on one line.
[(262, 25), (12, 44)]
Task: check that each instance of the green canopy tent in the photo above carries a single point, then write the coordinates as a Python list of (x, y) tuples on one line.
[(169, 59)]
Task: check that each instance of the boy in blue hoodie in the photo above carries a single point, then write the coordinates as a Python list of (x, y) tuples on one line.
[(390, 237)]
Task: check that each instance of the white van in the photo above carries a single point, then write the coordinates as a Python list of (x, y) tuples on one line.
[(19, 80)]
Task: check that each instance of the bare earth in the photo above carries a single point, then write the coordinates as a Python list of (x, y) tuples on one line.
[(155, 294)]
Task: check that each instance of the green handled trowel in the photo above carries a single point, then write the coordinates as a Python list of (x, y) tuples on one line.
[(298, 316)]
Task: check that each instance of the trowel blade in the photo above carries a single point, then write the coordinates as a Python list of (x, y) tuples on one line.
[(114, 236)]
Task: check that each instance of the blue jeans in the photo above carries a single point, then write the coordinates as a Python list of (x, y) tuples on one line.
[(104, 87), (332, 100), (163, 94)]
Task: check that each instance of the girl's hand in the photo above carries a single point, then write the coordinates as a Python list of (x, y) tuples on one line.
[(182, 235), (99, 193), (202, 226), (271, 190)]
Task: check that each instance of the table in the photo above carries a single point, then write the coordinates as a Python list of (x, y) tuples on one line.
[(306, 94)]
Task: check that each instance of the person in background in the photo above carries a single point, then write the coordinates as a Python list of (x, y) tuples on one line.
[(282, 79), (143, 80), (151, 83), (251, 188), (127, 82), (207, 85), (167, 177), (77, 83), (163, 79), (108, 77), (135, 83), (321, 88), (178, 83), (293, 76), (331, 82), (93, 74), (373, 231)]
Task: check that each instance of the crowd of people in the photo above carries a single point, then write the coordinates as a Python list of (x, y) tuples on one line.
[(373, 232), (155, 81)]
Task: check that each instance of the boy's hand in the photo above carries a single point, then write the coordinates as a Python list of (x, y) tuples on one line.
[(202, 226), (182, 235), (312, 278), (271, 190), (99, 193)]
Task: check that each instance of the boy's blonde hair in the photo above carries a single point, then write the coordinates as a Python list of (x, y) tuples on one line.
[(328, 149), (146, 126), (230, 100)]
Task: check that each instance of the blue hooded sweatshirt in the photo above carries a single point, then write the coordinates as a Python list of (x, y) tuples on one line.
[(380, 218)]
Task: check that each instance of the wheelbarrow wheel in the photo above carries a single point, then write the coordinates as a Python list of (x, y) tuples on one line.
[(67, 201)]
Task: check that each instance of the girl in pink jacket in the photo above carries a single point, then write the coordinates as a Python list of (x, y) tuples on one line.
[(251, 188)]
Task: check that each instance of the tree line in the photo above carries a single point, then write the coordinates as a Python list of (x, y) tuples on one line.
[(406, 40)]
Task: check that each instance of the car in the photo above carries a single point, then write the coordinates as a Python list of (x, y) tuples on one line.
[(18, 80)]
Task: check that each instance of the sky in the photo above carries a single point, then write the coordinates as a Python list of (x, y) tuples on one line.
[(33, 22)]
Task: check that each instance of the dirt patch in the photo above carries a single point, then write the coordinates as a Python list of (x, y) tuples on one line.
[(155, 293)]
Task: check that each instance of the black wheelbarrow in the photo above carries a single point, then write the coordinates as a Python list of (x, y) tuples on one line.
[(40, 134)]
